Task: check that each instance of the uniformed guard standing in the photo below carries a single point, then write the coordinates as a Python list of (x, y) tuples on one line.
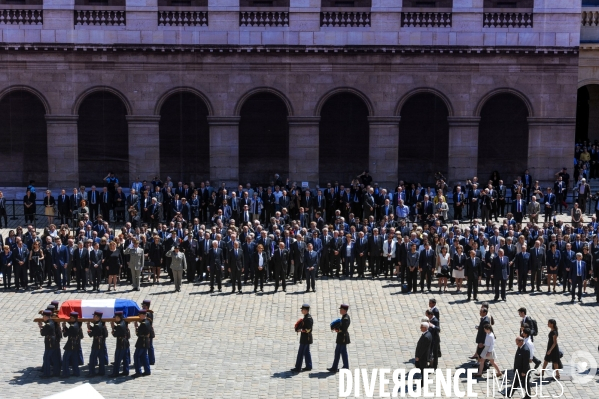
[(51, 361), (305, 341), (150, 316), (121, 332), (58, 335), (143, 330), (71, 349), (98, 344), (342, 340)]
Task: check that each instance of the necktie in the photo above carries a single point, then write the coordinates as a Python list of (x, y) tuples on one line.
[(579, 269), (80, 253)]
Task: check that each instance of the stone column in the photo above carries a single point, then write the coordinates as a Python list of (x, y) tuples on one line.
[(383, 150), (549, 146), (303, 149), (144, 146), (63, 152), (593, 112), (224, 150), (463, 148)]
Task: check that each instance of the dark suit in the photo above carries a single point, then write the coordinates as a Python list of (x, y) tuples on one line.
[(236, 264), (20, 270), (422, 353), (519, 210), (522, 265), (375, 250), (64, 208), (434, 329), (105, 205), (80, 263), (427, 264), (93, 202), (521, 368), (281, 260), (95, 258), (248, 253), (60, 258), (537, 261), (259, 273), (472, 271), (577, 275), (311, 261), (361, 249), (501, 272), (216, 261)]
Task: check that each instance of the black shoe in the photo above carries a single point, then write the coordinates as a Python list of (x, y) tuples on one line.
[(124, 374), (91, 375), (113, 375), (307, 369), (44, 377), (219, 290), (295, 370), (332, 370), (136, 375), (146, 374)]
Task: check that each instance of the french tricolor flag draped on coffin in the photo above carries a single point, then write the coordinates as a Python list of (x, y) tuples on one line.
[(87, 307)]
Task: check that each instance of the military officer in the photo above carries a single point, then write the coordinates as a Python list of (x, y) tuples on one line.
[(143, 330), (178, 265), (136, 262), (342, 340), (305, 341), (98, 344), (51, 356), (120, 331), (150, 316), (71, 349)]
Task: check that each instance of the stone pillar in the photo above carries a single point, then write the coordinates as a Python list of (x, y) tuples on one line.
[(63, 152), (224, 150), (550, 147), (593, 112), (383, 150), (303, 149), (463, 148), (144, 146)]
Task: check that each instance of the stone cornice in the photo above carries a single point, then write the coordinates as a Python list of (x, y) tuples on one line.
[(143, 119), (384, 120), (63, 119), (463, 120), (303, 120), (223, 120), (533, 121)]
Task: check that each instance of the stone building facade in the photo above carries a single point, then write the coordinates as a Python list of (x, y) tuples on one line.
[(316, 91)]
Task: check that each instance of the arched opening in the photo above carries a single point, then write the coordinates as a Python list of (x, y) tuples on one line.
[(423, 138), (587, 113), (184, 138), (23, 139), (503, 137), (343, 138), (263, 139), (103, 138)]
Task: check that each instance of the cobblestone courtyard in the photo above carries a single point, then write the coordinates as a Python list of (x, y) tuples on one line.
[(225, 346)]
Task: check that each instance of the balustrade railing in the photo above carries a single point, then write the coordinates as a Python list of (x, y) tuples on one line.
[(589, 16), (334, 17), (21, 16), (508, 19), (264, 17), (101, 17), (182, 18), (426, 19)]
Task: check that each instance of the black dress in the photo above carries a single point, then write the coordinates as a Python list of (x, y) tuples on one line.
[(554, 356), (113, 262)]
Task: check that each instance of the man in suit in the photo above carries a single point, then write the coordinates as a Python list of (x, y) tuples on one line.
[(474, 270), (216, 262), (280, 258), (368, 204), (64, 207), (60, 260), (426, 267), (434, 329), (105, 203), (549, 207), (20, 261), (533, 210), (519, 208), (236, 266), (311, 267), (248, 248), (501, 198), (537, 262), (423, 348), (501, 272), (375, 250), (522, 266), (578, 271), (361, 248), (119, 202), (80, 265), (567, 259), (93, 202), (95, 258), (521, 368)]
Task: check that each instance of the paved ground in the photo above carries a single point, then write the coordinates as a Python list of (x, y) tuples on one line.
[(224, 346)]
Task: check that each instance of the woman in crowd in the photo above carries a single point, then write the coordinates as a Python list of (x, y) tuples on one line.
[(443, 268), (488, 353), (112, 264), (49, 204), (553, 354), (458, 265)]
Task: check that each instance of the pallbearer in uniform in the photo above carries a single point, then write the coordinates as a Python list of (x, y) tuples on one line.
[(120, 331), (150, 316), (342, 340), (143, 330), (305, 327), (98, 345), (71, 349), (51, 356)]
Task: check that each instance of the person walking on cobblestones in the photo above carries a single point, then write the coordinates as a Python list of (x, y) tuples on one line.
[(342, 340)]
